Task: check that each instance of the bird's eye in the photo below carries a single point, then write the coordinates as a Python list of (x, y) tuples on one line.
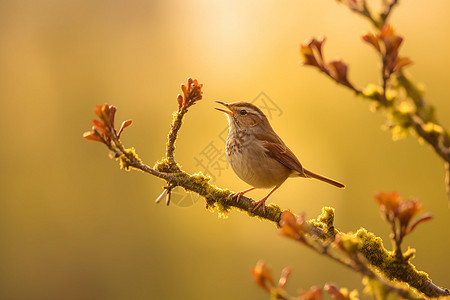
[(243, 112)]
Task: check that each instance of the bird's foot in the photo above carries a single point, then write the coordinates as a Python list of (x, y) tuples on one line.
[(262, 202), (259, 203), (238, 195)]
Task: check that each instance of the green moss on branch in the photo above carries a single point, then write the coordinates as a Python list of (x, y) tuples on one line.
[(371, 247)]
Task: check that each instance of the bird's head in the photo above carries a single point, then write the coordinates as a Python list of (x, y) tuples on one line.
[(244, 115)]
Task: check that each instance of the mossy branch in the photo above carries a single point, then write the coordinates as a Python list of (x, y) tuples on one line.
[(407, 110), (361, 251), (398, 94), (395, 268), (167, 168), (216, 197), (174, 128)]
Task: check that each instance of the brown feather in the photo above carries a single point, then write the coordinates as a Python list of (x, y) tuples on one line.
[(324, 179), (279, 151)]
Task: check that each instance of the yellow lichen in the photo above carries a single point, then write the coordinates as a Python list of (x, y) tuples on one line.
[(164, 166), (372, 91), (375, 288), (352, 295), (398, 132), (391, 94), (273, 212), (325, 222), (433, 128), (222, 208), (387, 262), (327, 216), (126, 158), (406, 107), (349, 242)]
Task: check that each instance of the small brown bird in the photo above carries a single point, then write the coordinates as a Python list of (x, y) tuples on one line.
[(257, 154)]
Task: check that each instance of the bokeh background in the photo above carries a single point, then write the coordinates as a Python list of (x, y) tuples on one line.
[(75, 226)]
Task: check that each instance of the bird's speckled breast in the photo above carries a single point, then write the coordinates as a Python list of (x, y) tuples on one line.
[(251, 163)]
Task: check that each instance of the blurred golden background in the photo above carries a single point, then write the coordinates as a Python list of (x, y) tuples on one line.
[(75, 226)]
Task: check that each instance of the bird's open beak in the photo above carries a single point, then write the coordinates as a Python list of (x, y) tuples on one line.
[(223, 110)]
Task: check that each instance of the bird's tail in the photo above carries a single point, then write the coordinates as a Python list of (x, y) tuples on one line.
[(322, 178)]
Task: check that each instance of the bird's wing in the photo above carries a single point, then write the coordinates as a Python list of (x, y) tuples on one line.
[(276, 149)]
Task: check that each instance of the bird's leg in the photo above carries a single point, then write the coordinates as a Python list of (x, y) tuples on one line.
[(263, 201), (239, 194)]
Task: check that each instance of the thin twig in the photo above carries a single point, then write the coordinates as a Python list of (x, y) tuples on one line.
[(438, 140), (413, 92), (384, 79), (175, 127), (380, 20), (350, 86), (387, 11)]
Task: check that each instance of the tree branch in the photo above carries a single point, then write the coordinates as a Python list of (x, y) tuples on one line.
[(167, 168), (388, 6), (362, 8), (360, 252), (174, 128), (318, 234), (408, 110)]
